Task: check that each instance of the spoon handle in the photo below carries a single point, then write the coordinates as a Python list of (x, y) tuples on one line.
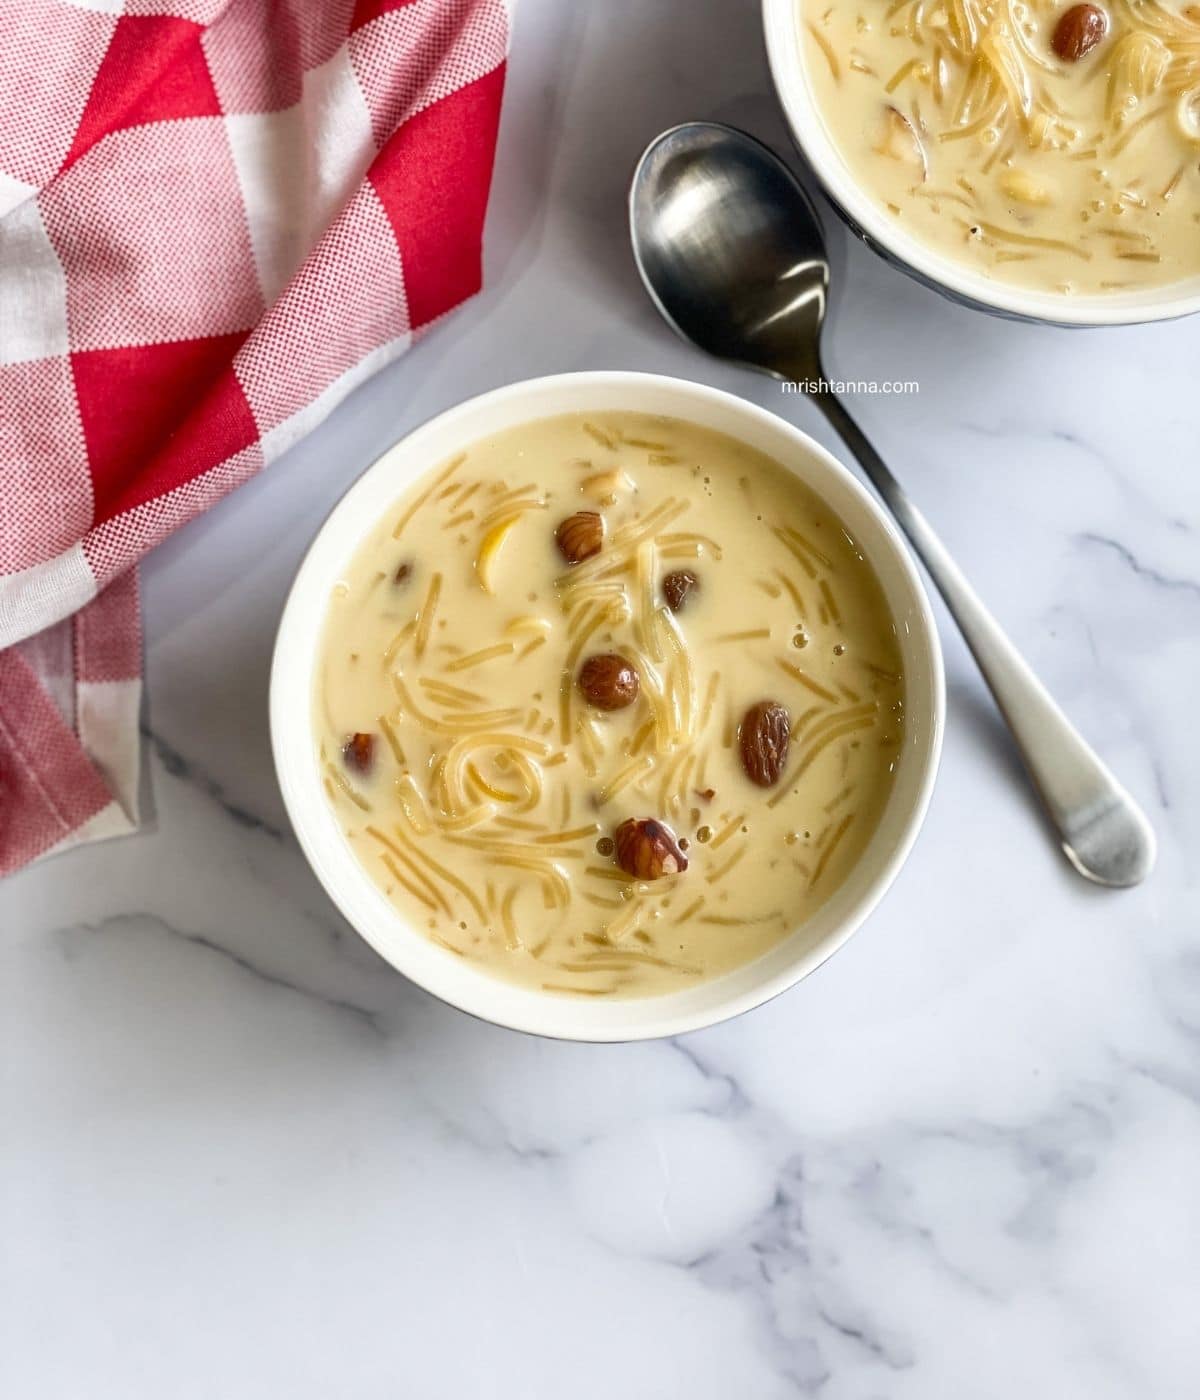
[(1103, 831)]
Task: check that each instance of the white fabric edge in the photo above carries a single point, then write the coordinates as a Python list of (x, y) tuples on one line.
[(13, 193), (284, 435), (37, 597), (109, 822), (107, 722)]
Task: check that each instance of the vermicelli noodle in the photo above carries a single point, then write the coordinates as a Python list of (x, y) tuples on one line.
[(995, 132), (487, 808)]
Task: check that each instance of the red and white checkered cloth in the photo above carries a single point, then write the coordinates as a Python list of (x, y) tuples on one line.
[(216, 218)]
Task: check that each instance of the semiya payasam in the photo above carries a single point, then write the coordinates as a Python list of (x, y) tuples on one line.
[(1052, 145), (608, 706)]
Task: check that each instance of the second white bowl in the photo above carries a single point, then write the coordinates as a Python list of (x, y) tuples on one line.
[(782, 25)]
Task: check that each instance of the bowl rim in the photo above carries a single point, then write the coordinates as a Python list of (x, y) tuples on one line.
[(920, 260), (442, 975)]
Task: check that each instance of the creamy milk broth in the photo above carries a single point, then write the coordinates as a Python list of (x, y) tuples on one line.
[(1076, 177), (493, 782)]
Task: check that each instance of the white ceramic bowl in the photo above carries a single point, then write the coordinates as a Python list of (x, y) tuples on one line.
[(373, 914), (782, 25)]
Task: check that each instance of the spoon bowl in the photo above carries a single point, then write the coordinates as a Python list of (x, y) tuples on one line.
[(702, 197)]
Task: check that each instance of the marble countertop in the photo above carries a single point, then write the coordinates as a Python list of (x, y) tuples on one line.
[(242, 1158)]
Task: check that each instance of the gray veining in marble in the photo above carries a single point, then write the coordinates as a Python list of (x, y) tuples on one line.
[(241, 1158)]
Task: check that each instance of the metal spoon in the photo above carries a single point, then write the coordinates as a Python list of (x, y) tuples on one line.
[(731, 252)]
